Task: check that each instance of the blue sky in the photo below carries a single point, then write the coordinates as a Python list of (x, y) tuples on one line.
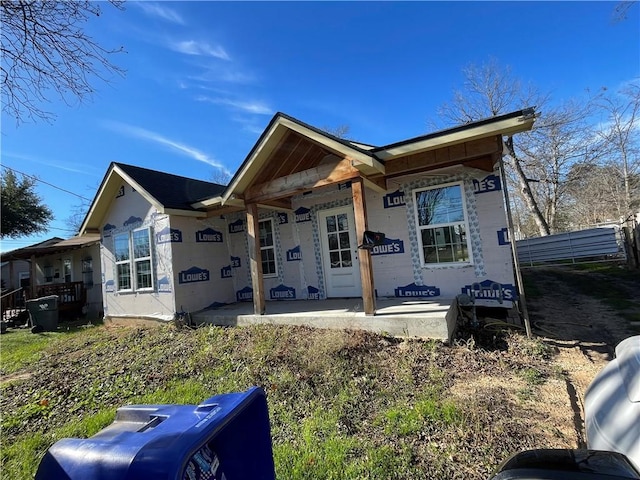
[(203, 79)]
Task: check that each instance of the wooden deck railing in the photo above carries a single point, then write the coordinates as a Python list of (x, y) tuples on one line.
[(72, 296), (12, 303)]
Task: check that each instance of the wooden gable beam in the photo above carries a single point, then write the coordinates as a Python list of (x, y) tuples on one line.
[(289, 185)]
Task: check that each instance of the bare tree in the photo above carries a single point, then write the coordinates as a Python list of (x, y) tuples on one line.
[(561, 138), (620, 132), (220, 176), (45, 49), (490, 90), (596, 194), (341, 131)]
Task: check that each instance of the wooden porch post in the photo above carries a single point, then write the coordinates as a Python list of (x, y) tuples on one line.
[(255, 260), (366, 266), (32, 277)]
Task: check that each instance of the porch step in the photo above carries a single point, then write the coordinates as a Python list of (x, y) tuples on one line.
[(422, 319)]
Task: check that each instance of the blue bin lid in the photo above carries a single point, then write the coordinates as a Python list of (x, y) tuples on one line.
[(158, 441)]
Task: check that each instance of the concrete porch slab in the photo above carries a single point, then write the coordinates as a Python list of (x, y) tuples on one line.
[(396, 317)]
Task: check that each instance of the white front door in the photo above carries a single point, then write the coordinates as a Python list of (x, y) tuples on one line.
[(340, 252)]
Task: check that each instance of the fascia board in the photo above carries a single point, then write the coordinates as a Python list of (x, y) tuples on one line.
[(328, 142), (209, 202), (507, 126), (106, 186), (251, 166)]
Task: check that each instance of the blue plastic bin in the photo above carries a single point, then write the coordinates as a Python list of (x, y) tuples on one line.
[(226, 437)]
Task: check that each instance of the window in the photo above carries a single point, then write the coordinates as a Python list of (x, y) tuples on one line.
[(442, 225), (338, 241), (87, 272), (137, 266), (66, 270), (267, 248)]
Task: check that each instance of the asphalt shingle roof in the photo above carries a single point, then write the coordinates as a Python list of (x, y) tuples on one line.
[(172, 191)]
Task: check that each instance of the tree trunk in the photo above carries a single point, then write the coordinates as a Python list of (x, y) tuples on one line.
[(529, 199)]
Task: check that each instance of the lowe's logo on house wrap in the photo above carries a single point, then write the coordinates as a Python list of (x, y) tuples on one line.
[(209, 235), (106, 230), (395, 199), (245, 295), (490, 290), (413, 290), (503, 237), (282, 218), (169, 235), (235, 262), (294, 254), (302, 215), (225, 272), (236, 227), (164, 285), (313, 293), (194, 274), (389, 247), (132, 221), (282, 292), (490, 183)]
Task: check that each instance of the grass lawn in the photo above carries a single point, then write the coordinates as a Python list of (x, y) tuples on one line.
[(342, 404)]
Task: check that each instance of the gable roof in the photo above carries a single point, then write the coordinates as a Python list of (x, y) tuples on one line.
[(168, 193), (279, 125)]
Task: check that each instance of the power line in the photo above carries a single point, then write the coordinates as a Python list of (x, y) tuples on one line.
[(46, 183)]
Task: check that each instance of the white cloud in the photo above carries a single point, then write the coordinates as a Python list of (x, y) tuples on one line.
[(155, 10), (50, 163), (191, 47), (257, 108), (217, 75), (181, 148)]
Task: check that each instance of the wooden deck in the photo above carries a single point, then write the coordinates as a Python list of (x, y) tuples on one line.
[(72, 297)]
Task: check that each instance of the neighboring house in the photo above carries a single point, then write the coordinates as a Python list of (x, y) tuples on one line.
[(290, 223), (67, 268)]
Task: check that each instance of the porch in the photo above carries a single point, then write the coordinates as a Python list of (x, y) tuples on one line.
[(72, 297), (394, 316)]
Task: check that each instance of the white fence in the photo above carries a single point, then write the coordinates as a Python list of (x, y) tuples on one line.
[(574, 246)]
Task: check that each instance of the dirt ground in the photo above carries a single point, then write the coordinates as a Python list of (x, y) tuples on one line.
[(583, 332)]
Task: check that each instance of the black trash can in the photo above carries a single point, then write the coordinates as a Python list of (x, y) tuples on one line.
[(43, 312)]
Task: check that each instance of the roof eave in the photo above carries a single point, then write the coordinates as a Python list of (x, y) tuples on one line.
[(501, 126)]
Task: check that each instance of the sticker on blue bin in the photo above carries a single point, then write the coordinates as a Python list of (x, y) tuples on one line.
[(204, 465)]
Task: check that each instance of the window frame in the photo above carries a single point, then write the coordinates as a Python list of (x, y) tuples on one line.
[(133, 262), (67, 263), (147, 258), (465, 223), (271, 247)]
